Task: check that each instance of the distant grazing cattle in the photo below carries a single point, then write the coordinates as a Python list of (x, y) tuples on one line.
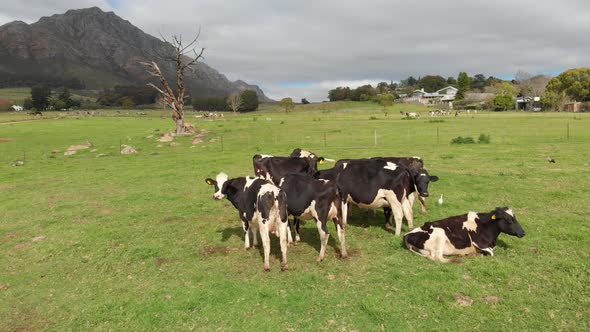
[(377, 183), (260, 205), (275, 168), (310, 198), (467, 234)]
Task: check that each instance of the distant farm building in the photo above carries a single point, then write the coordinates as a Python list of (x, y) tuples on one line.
[(528, 104), (576, 107), (17, 108), (444, 95)]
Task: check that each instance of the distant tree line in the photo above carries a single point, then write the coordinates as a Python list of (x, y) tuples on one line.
[(127, 96), (42, 99), (248, 103)]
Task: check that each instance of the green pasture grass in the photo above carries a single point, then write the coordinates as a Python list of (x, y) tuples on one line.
[(137, 242), (18, 95)]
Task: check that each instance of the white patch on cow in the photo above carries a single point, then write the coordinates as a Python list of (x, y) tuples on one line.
[(265, 156), (221, 178), (382, 199), (244, 214), (333, 213), (310, 212), (281, 182), (268, 188), (249, 181), (324, 180), (391, 166), (422, 174), (306, 154), (344, 165), (470, 223), (417, 157), (416, 230), (509, 211)]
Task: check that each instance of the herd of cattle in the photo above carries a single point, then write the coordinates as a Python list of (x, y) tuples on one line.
[(293, 185)]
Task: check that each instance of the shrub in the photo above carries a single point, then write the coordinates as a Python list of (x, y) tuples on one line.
[(483, 139), (463, 140)]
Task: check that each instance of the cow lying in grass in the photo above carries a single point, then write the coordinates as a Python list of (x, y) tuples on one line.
[(260, 205), (463, 235)]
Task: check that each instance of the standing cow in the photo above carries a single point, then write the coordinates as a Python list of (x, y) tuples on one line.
[(314, 159), (463, 235), (260, 204), (275, 168), (376, 183), (310, 198)]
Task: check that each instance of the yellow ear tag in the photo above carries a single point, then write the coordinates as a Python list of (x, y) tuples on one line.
[(493, 217), (321, 161)]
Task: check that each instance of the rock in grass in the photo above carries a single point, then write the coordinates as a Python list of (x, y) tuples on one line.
[(18, 163), (128, 149)]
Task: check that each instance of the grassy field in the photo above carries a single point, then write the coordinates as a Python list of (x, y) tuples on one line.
[(137, 242)]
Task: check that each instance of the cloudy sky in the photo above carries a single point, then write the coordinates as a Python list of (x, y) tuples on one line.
[(303, 48)]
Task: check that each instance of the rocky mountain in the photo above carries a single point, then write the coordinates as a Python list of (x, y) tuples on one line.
[(98, 48)]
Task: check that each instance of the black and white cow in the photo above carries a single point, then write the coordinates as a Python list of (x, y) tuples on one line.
[(463, 235), (310, 198), (260, 205), (376, 183), (275, 168), (314, 158)]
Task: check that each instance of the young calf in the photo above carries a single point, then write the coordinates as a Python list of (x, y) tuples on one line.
[(310, 198), (261, 205), (463, 235)]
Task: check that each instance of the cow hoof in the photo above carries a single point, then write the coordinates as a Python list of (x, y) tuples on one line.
[(267, 269), (388, 226), (284, 268), (319, 259), (423, 212)]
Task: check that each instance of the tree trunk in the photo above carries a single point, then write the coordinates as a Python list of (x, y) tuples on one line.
[(180, 126)]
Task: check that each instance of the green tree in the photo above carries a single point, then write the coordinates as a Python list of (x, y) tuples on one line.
[(553, 101), (479, 82), (40, 97), (287, 104), (382, 87), (249, 101), (464, 84), (505, 89), (28, 104), (503, 103), (451, 80), (340, 93), (386, 100), (574, 83), (431, 83), (304, 101)]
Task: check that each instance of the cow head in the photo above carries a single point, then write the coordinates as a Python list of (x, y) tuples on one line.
[(421, 180), (506, 221), (219, 185)]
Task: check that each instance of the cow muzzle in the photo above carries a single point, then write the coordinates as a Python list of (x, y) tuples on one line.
[(425, 194), (218, 196)]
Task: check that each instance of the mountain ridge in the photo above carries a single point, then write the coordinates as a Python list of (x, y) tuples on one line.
[(100, 49)]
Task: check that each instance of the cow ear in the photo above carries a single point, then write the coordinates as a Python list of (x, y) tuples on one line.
[(321, 160), (433, 178), (210, 181)]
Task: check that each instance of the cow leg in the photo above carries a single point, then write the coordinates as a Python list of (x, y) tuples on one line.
[(387, 214), (254, 230), (289, 236), (297, 227), (439, 250), (246, 235), (398, 215), (344, 213), (341, 237), (408, 213), (283, 229), (323, 239), (264, 235)]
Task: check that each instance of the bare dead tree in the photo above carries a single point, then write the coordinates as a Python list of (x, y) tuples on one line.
[(234, 102), (179, 57)]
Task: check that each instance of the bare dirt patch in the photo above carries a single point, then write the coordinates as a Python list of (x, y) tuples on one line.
[(23, 245), (491, 299), (463, 300), (4, 139), (173, 219), (216, 250), (160, 261)]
